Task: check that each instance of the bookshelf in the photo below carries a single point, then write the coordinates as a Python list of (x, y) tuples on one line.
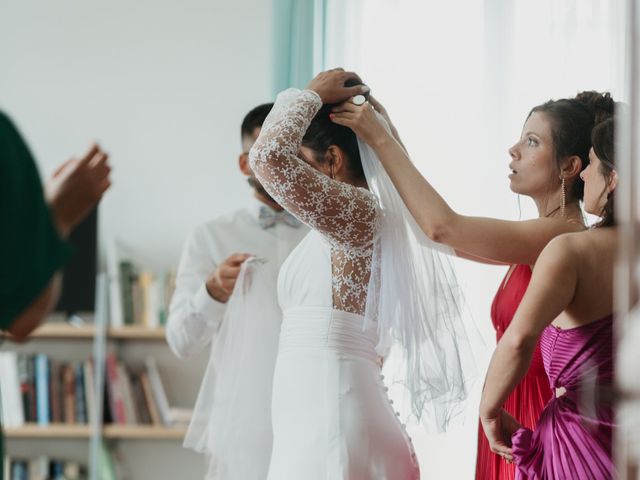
[(114, 432), (53, 431), (57, 331), (115, 360), (138, 432), (66, 331), (94, 442)]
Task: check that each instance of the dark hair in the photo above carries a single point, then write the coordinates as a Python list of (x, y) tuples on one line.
[(572, 120), (254, 119), (603, 139), (322, 133)]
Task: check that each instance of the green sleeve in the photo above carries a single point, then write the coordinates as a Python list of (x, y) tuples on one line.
[(31, 249)]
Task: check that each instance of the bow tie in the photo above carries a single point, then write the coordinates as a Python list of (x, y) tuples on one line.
[(267, 218)]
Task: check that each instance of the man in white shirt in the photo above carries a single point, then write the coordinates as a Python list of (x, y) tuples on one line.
[(212, 257)]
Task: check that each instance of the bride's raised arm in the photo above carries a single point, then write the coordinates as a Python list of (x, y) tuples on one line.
[(342, 212)]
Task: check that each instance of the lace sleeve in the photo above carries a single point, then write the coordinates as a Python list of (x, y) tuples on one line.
[(345, 214)]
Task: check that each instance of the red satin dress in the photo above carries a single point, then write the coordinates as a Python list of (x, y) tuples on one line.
[(531, 395)]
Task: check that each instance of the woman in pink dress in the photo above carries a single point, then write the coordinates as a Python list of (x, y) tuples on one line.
[(545, 165), (568, 310)]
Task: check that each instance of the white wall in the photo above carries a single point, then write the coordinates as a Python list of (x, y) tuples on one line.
[(163, 86)]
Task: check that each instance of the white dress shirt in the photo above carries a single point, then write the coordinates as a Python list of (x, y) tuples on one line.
[(194, 316)]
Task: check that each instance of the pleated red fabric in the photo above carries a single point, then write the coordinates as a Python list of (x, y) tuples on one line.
[(528, 399)]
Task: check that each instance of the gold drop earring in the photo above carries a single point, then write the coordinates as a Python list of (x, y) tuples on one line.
[(563, 202)]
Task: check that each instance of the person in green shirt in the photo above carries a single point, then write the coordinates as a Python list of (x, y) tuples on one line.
[(34, 225)]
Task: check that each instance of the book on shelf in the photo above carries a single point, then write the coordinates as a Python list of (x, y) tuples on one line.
[(149, 400), (11, 395), (136, 395), (30, 398), (55, 393), (116, 410), (80, 399), (64, 392), (69, 394), (19, 470), (26, 387), (45, 391), (159, 395), (139, 403), (127, 284), (137, 296), (42, 389), (127, 396), (89, 391), (43, 468), (40, 467)]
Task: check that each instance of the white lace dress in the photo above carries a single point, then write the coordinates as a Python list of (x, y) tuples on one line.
[(332, 418)]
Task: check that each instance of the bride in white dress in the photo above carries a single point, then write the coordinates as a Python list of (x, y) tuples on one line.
[(332, 418)]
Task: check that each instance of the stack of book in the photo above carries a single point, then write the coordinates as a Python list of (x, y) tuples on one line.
[(145, 296), (136, 395), (136, 296), (36, 389), (140, 297), (43, 468)]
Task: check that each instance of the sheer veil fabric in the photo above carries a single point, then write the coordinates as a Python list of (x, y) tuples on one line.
[(231, 421), (418, 305)]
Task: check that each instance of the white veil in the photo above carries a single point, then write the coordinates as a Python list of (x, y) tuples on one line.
[(231, 422), (418, 305)]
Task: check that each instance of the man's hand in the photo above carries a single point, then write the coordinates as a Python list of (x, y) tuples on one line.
[(77, 187), (221, 282)]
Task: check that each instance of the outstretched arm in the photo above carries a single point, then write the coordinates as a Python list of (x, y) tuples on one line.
[(481, 239)]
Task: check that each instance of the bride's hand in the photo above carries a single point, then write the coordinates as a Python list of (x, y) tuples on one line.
[(363, 120), (330, 87)]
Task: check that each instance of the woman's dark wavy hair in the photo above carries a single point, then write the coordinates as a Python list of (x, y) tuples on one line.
[(572, 121), (322, 133), (603, 139)]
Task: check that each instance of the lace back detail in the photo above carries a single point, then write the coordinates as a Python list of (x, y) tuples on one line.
[(351, 273), (347, 216)]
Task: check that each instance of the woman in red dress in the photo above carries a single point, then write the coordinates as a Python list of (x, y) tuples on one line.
[(545, 165), (532, 393)]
